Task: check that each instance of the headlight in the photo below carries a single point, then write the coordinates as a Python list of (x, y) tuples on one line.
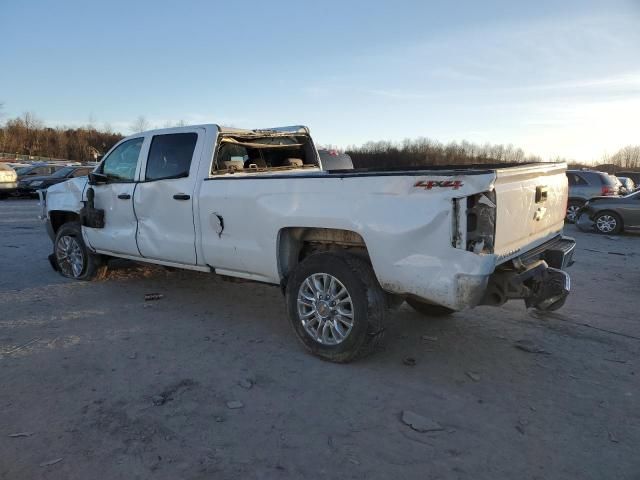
[(37, 183)]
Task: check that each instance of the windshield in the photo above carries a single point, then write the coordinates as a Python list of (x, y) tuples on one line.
[(63, 172), (23, 170)]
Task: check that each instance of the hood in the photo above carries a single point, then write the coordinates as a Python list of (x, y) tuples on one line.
[(602, 200)]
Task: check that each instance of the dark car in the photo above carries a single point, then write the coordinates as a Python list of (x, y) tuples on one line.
[(611, 215), (31, 184), (635, 176), (37, 170), (587, 184)]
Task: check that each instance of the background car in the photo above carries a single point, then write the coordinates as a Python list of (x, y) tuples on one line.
[(635, 176), (31, 184), (8, 180), (628, 185), (584, 185), (38, 169), (611, 215), (334, 160)]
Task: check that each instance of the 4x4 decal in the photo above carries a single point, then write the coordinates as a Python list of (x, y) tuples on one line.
[(429, 184)]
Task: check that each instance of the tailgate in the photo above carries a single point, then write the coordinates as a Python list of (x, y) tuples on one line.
[(531, 204)]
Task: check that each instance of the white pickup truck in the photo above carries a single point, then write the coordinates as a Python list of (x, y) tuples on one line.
[(344, 244)]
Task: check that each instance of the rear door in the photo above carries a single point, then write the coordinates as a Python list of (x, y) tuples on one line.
[(531, 203), (164, 199)]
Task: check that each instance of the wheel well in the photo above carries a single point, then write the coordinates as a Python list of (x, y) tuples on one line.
[(297, 243), (60, 217)]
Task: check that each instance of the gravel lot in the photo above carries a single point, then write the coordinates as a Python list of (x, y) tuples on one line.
[(105, 385)]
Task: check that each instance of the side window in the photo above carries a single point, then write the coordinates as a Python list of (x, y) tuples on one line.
[(120, 165), (578, 180), (170, 155)]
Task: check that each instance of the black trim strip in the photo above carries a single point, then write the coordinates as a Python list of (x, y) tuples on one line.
[(336, 174)]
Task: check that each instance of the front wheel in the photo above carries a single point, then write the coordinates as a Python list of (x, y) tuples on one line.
[(73, 258), (429, 309), (608, 223), (336, 306)]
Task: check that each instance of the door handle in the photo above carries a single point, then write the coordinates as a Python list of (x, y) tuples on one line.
[(181, 196), (124, 196)]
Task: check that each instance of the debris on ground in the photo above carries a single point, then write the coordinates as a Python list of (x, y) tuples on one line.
[(409, 362), (20, 434), (613, 438), (246, 383), (429, 338), (419, 423), (51, 462), (520, 429), (153, 296), (473, 376), (169, 393), (234, 404), (530, 347), (133, 356)]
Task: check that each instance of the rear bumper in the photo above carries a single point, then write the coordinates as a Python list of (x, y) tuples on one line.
[(537, 277)]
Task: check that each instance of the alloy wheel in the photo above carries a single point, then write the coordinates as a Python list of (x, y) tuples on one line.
[(325, 309), (606, 223), (69, 256)]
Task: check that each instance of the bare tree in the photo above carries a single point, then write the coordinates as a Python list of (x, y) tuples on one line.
[(139, 125)]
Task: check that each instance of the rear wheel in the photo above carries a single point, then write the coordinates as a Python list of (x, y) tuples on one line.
[(429, 309), (336, 306), (608, 223), (73, 258), (572, 211)]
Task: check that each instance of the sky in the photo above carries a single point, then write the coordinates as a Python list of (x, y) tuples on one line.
[(559, 79)]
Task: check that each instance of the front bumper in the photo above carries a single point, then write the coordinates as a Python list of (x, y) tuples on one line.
[(8, 187), (584, 221)]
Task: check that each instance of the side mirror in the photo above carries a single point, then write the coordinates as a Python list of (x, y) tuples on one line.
[(97, 179)]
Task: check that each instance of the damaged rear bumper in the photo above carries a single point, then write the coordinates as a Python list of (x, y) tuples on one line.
[(537, 277)]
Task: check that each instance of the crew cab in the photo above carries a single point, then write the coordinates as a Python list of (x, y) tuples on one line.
[(345, 245)]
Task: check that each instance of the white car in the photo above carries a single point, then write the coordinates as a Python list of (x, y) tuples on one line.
[(8, 180), (344, 245)]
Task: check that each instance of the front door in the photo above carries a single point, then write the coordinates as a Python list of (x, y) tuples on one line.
[(163, 200), (116, 199)]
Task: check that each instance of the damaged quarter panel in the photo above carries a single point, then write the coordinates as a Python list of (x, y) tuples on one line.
[(407, 228)]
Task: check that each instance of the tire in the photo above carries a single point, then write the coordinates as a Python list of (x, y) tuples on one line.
[(429, 309), (572, 210), (607, 223), (73, 258), (322, 326)]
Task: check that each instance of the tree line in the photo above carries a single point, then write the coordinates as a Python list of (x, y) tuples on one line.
[(424, 151), (27, 135)]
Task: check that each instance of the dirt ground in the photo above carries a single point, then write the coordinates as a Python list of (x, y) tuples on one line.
[(102, 384)]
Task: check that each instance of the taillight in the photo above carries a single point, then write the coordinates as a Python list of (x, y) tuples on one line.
[(606, 191)]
